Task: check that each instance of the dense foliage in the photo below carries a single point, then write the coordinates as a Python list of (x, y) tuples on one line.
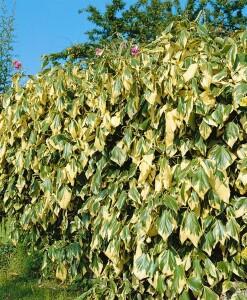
[(144, 20), (6, 46), (132, 171)]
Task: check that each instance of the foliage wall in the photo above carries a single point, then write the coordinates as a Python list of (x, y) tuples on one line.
[(131, 170)]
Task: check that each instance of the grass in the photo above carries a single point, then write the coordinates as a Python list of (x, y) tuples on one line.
[(20, 277)]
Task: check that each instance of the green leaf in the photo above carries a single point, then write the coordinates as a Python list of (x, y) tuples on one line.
[(226, 286), (128, 138), (231, 133), (161, 287), (210, 268), (240, 90), (194, 284), (142, 266), (224, 268), (217, 117), (200, 182), (64, 196), (208, 294), (214, 200), (183, 37), (117, 87), (67, 151), (125, 235), (202, 30), (219, 76), (185, 296), (219, 232), (121, 200), (239, 296), (190, 228), (168, 28), (47, 185), (167, 262), (233, 229), (240, 207), (205, 130), (171, 202), (222, 156), (166, 224), (118, 155), (97, 265), (231, 55), (179, 280), (209, 242), (134, 194), (96, 182), (200, 145), (44, 263)]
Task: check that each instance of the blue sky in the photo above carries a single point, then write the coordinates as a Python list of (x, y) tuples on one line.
[(46, 26)]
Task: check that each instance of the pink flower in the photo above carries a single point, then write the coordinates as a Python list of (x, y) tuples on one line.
[(99, 51), (134, 51), (17, 64)]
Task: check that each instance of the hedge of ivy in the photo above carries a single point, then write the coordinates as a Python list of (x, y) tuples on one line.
[(131, 170)]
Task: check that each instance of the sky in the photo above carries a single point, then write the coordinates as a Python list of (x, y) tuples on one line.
[(48, 26)]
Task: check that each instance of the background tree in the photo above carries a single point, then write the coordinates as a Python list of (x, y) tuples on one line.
[(228, 15), (146, 19), (6, 46)]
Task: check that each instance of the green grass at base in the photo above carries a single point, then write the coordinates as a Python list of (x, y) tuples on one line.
[(16, 287), (20, 274)]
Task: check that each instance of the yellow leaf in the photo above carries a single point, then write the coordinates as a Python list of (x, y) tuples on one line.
[(167, 177), (158, 183), (99, 144), (186, 234), (36, 165), (220, 188), (169, 53), (153, 97), (152, 231), (65, 199), (148, 158), (206, 81), (190, 73), (243, 121), (145, 191), (243, 102), (112, 254), (170, 126), (207, 99), (242, 176), (71, 171), (73, 132), (61, 272), (2, 150), (118, 267), (244, 253), (140, 274), (115, 121)]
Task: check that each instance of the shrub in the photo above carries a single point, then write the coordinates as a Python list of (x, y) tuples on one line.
[(131, 170)]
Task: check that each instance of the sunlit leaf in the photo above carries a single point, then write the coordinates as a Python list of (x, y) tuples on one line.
[(190, 228), (222, 157)]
